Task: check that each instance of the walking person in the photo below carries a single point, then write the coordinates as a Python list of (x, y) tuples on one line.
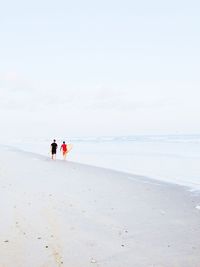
[(53, 149), (63, 148)]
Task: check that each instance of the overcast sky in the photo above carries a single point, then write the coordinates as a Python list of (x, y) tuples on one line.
[(99, 67)]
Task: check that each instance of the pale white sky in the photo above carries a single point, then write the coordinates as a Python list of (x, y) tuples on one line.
[(99, 68)]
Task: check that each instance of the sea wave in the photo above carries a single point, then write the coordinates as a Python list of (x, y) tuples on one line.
[(140, 138)]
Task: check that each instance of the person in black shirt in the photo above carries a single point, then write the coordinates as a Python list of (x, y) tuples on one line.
[(53, 149)]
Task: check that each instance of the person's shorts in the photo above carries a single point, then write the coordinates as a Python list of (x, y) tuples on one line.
[(64, 152), (53, 152)]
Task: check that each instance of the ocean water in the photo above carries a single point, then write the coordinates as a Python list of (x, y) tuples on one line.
[(171, 158)]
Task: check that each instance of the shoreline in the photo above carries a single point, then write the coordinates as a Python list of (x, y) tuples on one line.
[(190, 186), (161, 176), (58, 213)]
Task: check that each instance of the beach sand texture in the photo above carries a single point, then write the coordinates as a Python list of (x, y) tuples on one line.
[(60, 213)]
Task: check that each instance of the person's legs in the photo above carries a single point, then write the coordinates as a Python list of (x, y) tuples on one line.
[(53, 155), (64, 154)]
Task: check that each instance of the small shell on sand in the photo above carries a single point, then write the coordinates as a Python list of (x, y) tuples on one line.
[(93, 260)]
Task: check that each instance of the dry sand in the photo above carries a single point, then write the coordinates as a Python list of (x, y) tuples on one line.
[(56, 213)]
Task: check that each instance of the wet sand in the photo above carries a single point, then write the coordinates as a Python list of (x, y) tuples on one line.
[(60, 213)]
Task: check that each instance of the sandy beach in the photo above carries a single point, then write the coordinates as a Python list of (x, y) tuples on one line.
[(61, 213)]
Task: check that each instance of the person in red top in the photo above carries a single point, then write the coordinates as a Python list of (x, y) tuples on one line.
[(63, 148)]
